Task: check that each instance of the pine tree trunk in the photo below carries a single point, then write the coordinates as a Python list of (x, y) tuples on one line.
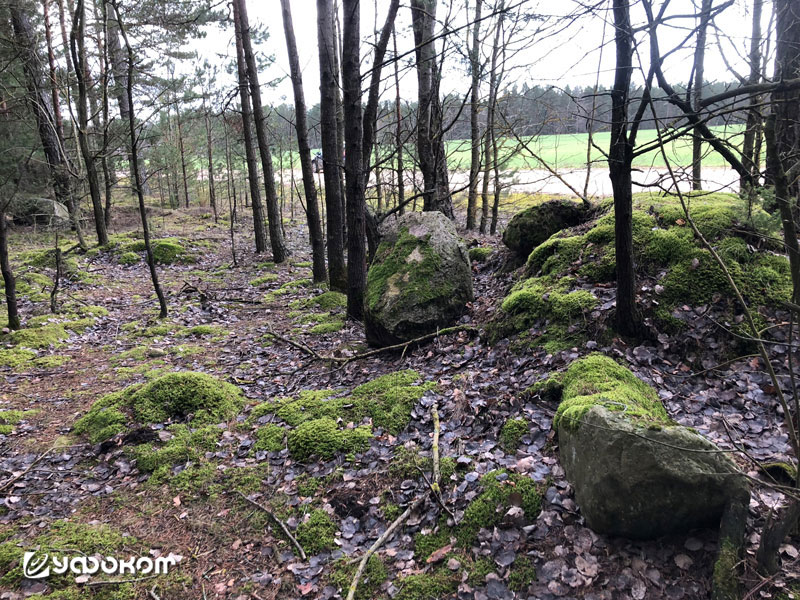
[(279, 251), (304, 149), (252, 167), (398, 135), (151, 262), (330, 146), (78, 51), (212, 193)]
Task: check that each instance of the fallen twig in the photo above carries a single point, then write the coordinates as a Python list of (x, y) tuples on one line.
[(23, 473), (343, 360), (279, 522)]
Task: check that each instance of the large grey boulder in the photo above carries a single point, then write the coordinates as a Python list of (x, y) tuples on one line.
[(639, 482), (419, 280), (532, 226), (636, 473)]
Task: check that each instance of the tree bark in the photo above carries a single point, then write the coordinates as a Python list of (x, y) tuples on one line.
[(212, 193), (151, 262), (8, 275), (330, 146), (78, 51), (252, 167), (354, 162), (182, 153), (475, 130), (753, 129), (398, 134), (279, 251), (430, 137), (697, 92), (42, 112), (489, 141), (316, 238), (620, 159)]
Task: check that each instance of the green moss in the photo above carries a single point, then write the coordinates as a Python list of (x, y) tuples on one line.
[(307, 485), (173, 396), (426, 544), (598, 380), (427, 586), (204, 330), (512, 432), (316, 534), (42, 336), (488, 508), (480, 253), (186, 447), (327, 301), (726, 581), (328, 327), (389, 399), (264, 279), (478, 570), (323, 438), (10, 418), (16, 357), (178, 395), (269, 437), (523, 573), (374, 574), (392, 263), (166, 251), (129, 258)]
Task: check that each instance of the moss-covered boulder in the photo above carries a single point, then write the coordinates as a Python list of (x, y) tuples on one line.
[(635, 472), (419, 280), (534, 225)]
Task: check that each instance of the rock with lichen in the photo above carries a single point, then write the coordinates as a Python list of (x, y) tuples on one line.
[(419, 280), (534, 225), (635, 472)]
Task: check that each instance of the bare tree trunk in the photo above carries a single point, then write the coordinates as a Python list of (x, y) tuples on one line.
[(151, 262), (754, 125), (430, 142), (212, 194), (252, 167), (51, 59), (279, 251), (398, 136), (697, 93), (304, 149), (337, 72), (330, 146), (475, 130), (489, 135), (620, 159), (354, 161), (78, 51), (105, 72), (182, 153), (8, 275)]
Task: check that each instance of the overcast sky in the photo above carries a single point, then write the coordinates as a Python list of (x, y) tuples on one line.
[(545, 51)]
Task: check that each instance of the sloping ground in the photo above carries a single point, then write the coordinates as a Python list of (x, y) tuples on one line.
[(173, 487)]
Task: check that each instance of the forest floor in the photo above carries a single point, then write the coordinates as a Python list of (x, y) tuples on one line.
[(231, 549)]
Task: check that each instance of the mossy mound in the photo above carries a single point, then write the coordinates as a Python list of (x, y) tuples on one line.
[(10, 418), (598, 380), (186, 396), (129, 258), (322, 424), (480, 253), (166, 251), (512, 432), (664, 247), (316, 534), (501, 490), (16, 357)]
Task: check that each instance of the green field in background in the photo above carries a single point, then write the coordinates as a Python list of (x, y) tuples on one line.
[(569, 150)]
